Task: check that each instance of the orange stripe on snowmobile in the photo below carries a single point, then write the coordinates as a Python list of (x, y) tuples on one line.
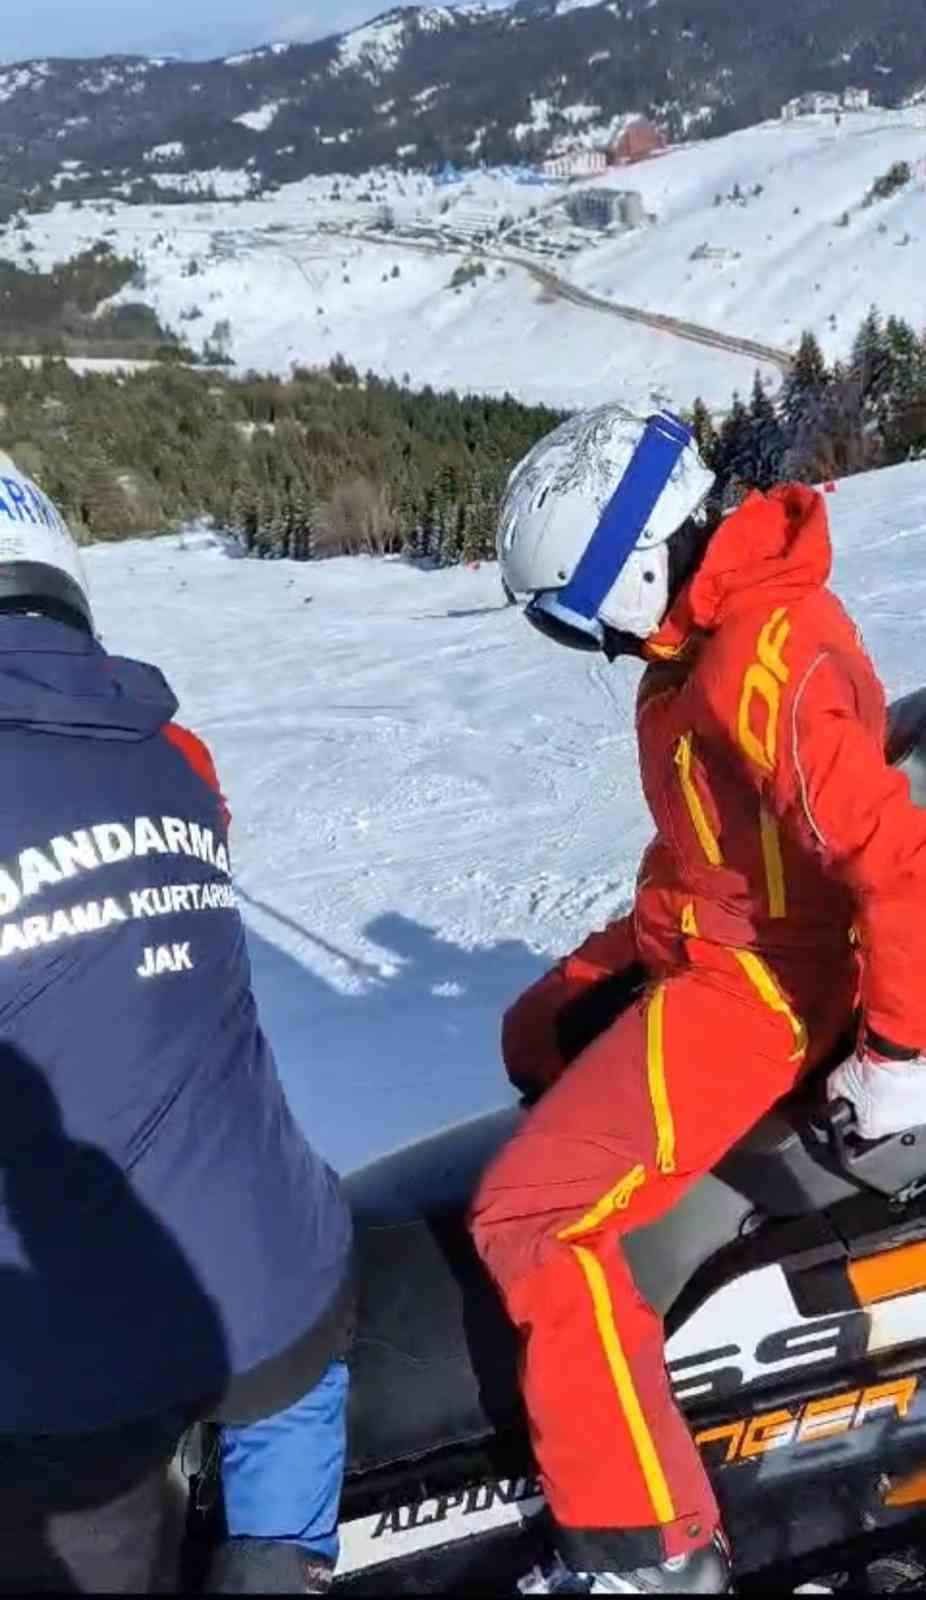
[(891, 1273)]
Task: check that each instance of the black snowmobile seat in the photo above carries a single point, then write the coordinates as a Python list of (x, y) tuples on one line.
[(435, 1361), (906, 741), (435, 1357)]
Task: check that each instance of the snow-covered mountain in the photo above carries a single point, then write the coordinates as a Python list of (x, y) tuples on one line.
[(429, 800), (438, 82)]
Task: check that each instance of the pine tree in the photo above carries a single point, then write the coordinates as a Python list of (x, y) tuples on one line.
[(801, 403), (804, 384), (302, 524), (471, 549), (267, 516), (767, 444), (431, 530), (871, 358), (244, 515), (907, 363), (702, 426), (280, 522), (410, 520), (483, 518), (453, 534), (902, 414), (734, 446), (839, 439)]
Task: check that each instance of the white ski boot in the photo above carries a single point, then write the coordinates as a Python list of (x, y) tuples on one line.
[(704, 1571)]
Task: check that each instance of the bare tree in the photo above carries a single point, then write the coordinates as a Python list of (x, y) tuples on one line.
[(358, 519)]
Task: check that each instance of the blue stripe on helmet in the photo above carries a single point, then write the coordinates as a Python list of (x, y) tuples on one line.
[(626, 515)]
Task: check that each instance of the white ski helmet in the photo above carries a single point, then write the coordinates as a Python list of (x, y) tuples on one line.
[(587, 519), (40, 563)]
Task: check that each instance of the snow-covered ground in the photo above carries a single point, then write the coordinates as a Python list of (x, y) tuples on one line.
[(293, 294), (774, 264), (802, 252), (429, 799)]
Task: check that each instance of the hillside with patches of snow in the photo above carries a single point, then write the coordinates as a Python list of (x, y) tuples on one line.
[(429, 800)]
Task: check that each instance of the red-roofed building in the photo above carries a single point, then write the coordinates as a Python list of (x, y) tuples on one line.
[(635, 141)]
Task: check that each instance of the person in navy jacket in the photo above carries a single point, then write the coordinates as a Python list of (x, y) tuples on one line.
[(171, 1248)]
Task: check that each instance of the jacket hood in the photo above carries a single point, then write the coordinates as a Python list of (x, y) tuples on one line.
[(771, 551), (55, 679)]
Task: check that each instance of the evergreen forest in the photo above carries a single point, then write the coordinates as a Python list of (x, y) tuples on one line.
[(333, 462)]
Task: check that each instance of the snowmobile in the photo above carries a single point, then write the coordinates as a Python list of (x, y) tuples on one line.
[(793, 1285)]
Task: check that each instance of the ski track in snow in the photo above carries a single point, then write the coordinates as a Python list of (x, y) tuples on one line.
[(429, 800)]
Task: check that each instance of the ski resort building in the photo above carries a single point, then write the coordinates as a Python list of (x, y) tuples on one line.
[(630, 139), (473, 223), (603, 208), (857, 100), (635, 141), (575, 164), (821, 104)]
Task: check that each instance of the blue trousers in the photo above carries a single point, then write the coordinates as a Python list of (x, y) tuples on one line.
[(282, 1477)]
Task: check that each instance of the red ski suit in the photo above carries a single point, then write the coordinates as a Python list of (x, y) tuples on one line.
[(784, 889)]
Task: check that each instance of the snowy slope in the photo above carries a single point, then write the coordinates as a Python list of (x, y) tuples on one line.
[(790, 263), (429, 799), (294, 292)]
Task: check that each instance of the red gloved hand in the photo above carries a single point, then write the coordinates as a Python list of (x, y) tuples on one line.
[(537, 1042)]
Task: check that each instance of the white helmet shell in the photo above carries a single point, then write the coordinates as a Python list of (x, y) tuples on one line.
[(39, 557), (557, 498)]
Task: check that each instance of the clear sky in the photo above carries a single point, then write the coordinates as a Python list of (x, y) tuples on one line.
[(203, 27)]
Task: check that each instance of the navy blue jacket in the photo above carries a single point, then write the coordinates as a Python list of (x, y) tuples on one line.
[(164, 1225)]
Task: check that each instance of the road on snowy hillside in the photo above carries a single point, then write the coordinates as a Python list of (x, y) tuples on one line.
[(692, 331), (562, 289)]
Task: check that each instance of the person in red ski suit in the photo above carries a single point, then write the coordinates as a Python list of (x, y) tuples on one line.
[(784, 890)]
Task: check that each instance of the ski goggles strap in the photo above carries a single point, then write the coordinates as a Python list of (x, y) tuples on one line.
[(574, 609)]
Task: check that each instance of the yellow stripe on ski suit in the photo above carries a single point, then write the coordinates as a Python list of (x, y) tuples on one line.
[(619, 1198), (693, 801), (764, 983), (774, 866), (656, 1077), (653, 1476), (616, 1199)]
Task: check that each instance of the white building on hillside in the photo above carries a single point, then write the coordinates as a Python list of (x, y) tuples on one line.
[(822, 103), (857, 99), (576, 164)]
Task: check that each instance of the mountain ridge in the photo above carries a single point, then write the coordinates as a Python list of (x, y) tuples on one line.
[(419, 86)]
